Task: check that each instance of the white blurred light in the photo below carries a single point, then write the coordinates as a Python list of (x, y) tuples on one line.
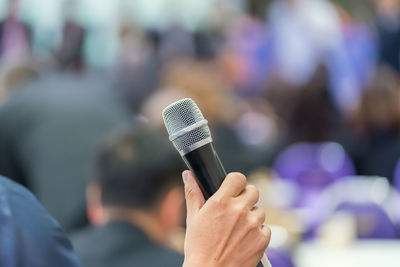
[(332, 157), (279, 236), (380, 190), (255, 128)]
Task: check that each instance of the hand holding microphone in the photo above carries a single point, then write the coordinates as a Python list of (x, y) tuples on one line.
[(226, 230), (228, 219)]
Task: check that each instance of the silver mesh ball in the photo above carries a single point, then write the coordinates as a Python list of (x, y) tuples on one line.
[(179, 116)]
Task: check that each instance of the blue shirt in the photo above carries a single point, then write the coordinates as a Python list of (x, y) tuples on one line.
[(29, 236)]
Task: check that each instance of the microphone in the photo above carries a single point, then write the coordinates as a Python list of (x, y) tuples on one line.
[(189, 132)]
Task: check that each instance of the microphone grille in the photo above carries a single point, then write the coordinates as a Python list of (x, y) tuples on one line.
[(179, 116)]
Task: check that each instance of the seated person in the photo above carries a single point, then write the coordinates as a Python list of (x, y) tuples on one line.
[(29, 236), (134, 202)]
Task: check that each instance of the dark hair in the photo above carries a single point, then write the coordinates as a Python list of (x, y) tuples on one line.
[(379, 107), (314, 115), (136, 168)]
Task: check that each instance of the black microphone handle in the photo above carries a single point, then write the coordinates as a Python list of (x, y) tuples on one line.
[(207, 167)]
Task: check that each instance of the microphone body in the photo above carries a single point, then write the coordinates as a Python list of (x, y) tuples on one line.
[(206, 166), (191, 136)]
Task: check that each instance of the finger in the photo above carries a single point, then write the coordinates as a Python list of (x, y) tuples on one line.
[(266, 232), (233, 185), (259, 213), (250, 195), (193, 195)]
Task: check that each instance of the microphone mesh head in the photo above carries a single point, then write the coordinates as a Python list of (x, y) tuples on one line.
[(181, 115)]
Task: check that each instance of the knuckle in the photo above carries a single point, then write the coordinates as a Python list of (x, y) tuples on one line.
[(252, 224), (240, 210), (261, 215), (262, 212), (253, 190)]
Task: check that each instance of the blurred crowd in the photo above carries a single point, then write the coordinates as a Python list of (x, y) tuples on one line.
[(302, 96)]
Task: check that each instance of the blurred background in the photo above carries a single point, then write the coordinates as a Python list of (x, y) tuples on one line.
[(303, 96)]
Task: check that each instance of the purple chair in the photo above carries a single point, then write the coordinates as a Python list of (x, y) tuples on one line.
[(371, 220), (369, 199), (279, 258), (313, 167)]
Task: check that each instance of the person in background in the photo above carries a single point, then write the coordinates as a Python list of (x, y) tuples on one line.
[(315, 117), (136, 71), (70, 54), (297, 34), (134, 202), (50, 131), (388, 26), (376, 144), (29, 236), (15, 36)]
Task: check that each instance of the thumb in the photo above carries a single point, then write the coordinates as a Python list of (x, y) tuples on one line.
[(194, 197)]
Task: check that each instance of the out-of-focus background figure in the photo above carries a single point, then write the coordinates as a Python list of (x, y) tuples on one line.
[(134, 203), (50, 132), (302, 96), (15, 36)]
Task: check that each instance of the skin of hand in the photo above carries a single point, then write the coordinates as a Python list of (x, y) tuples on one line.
[(227, 230)]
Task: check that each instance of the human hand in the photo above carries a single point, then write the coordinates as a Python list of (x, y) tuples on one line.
[(227, 230)]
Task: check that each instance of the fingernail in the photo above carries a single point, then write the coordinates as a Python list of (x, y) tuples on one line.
[(185, 176)]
